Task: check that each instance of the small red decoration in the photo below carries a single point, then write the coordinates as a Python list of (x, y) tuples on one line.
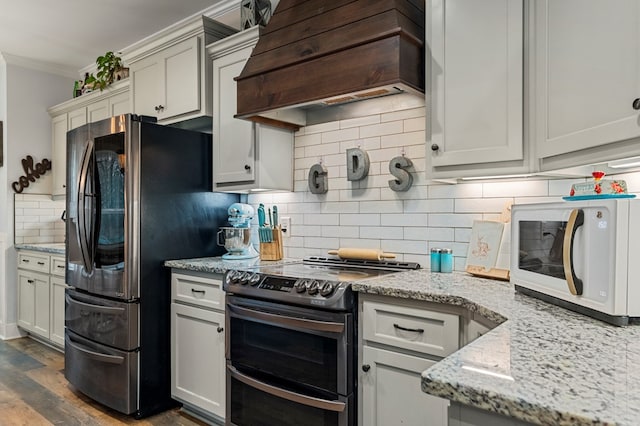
[(597, 188), (573, 192), (598, 175), (617, 187)]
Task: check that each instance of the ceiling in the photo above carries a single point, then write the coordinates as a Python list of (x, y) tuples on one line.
[(72, 33)]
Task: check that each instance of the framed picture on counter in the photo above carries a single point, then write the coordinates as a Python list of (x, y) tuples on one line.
[(488, 243)]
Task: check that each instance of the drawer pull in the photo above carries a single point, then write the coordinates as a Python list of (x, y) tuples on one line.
[(414, 330), (366, 368), (40, 263), (60, 266), (193, 290), (220, 329), (25, 260), (30, 281)]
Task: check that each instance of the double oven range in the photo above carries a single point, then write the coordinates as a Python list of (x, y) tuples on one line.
[(291, 345)]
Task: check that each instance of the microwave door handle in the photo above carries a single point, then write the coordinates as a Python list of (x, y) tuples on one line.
[(299, 323), (322, 404), (83, 177), (576, 219)]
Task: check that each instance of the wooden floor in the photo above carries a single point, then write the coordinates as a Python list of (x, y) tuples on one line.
[(33, 392)]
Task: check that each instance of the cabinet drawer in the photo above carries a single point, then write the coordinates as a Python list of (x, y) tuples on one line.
[(419, 330), (57, 266), (34, 262), (198, 290)]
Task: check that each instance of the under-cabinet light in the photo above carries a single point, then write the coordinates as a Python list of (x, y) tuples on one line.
[(625, 162), (497, 177), (487, 372)]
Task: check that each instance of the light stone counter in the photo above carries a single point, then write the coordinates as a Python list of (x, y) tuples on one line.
[(218, 265), (543, 364), (52, 248)]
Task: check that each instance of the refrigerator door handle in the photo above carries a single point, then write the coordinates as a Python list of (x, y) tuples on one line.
[(84, 234)]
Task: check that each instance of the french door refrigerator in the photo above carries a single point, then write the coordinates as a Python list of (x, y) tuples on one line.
[(137, 194)]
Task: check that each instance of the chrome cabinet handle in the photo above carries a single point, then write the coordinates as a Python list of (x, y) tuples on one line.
[(413, 330)]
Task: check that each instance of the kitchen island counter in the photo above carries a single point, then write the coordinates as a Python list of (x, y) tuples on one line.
[(543, 364)]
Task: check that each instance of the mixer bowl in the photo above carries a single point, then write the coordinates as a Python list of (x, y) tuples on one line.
[(234, 240)]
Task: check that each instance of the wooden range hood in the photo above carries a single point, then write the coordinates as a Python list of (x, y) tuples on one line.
[(314, 55)]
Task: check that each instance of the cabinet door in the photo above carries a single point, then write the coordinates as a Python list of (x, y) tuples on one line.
[(587, 74), (119, 104), (233, 139), (57, 310), (59, 161), (33, 303), (146, 85), (476, 81), (391, 391), (197, 358), (181, 66), (76, 118), (98, 111)]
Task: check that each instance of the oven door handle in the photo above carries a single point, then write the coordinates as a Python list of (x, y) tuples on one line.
[(310, 401), (576, 219), (300, 323)]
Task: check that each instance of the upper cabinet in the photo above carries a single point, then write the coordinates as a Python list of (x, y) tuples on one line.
[(475, 87), (170, 73), (88, 108), (587, 77), (246, 155)]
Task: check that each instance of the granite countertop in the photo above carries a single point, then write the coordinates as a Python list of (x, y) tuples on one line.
[(52, 248), (218, 265), (543, 364)]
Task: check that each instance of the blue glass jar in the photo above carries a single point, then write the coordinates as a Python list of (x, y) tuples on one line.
[(435, 259), (446, 260)]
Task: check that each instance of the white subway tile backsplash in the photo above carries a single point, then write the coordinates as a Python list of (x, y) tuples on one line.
[(368, 214), (37, 219)]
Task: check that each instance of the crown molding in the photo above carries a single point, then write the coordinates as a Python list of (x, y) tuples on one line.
[(48, 67)]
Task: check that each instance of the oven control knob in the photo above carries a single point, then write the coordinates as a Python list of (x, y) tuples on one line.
[(313, 287), (244, 277), (235, 276), (300, 286), (254, 279), (327, 288)]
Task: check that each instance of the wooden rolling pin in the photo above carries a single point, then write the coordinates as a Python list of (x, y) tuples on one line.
[(362, 254)]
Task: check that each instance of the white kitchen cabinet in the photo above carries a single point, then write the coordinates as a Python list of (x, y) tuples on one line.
[(587, 79), (391, 392), (41, 295), (88, 108), (246, 155), (170, 74), (400, 339), (197, 343), (475, 88)]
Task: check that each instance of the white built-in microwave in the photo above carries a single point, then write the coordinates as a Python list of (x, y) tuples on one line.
[(582, 255)]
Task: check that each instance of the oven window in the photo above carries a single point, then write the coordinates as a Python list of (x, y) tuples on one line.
[(303, 358), (251, 406), (540, 248)]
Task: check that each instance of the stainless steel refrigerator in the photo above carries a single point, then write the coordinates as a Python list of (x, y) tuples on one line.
[(137, 194)]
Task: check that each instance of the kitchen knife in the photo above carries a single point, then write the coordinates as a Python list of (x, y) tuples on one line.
[(261, 217), (275, 216)]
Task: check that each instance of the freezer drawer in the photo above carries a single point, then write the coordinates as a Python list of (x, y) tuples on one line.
[(105, 321), (107, 375)]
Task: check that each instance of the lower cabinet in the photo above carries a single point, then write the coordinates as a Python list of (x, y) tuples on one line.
[(197, 343), (391, 392), (41, 295), (401, 339)]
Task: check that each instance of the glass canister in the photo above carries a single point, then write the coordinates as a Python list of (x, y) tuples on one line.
[(435, 259), (446, 260)]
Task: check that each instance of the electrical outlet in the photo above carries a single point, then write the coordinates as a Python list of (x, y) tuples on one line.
[(285, 224)]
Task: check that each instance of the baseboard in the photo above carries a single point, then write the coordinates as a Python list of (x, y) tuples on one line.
[(11, 331)]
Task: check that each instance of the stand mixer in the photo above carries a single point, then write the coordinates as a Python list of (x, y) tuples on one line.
[(237, 237)]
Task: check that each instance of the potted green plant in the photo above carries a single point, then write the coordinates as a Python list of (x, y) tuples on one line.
[(109, 69)]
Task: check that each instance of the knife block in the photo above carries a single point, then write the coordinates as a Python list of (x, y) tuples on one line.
[(274, 249)]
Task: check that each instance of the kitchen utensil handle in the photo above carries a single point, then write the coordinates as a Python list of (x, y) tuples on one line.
[(576, 220), (299, 323), (219, 238), (322, 404)]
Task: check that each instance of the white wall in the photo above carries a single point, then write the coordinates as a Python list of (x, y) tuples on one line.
[(26, 91), (370, 215)]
